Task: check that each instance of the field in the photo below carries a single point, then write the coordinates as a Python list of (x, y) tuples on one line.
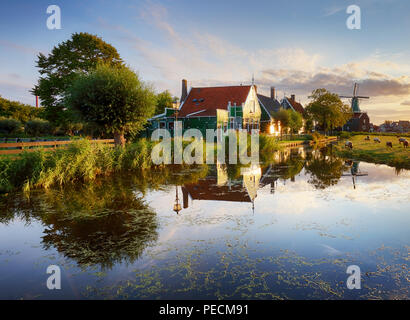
[(398, 156)]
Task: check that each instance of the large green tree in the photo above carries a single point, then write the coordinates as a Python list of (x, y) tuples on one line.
[(328, 110), (295, 121), (283, 116), (114, 98), (58, 70)]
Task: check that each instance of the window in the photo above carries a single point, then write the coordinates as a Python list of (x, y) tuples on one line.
[(253, 108)]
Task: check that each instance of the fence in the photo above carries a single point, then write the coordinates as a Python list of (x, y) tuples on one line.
[(19, 147)]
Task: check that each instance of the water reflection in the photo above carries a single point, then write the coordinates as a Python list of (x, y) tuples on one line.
[(223, 231), (109, 222), (241, 184), (99, 224), (104, 223), (354, 171)]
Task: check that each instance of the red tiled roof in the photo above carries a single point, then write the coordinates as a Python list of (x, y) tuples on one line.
[(296, 105), (207, 189), (212, 98)]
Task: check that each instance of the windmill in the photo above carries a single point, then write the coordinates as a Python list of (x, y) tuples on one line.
[(355, 99)]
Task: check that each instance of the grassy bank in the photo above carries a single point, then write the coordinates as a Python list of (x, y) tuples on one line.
[(84, 161), (80, 161), (370, 151)]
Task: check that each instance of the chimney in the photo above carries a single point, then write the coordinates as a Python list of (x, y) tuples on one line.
[(292, 97), (272, 92), (184, 90)]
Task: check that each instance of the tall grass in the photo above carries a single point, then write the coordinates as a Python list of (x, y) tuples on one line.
[(80, 161)]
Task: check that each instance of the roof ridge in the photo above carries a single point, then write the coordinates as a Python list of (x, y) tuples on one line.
[(240, 86)]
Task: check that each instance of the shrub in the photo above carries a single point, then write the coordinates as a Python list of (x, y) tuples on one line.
[(267, 144), (9, 125), (316, 136), (38, 127)]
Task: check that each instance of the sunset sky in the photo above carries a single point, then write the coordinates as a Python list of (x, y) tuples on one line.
[(296, 46)]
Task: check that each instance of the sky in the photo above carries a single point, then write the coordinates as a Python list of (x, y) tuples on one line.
[(294, 45)]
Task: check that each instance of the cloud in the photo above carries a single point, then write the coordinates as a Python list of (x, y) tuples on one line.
[(18, 47), (206, 59), (406, 103), (338, 79), (333, 10)]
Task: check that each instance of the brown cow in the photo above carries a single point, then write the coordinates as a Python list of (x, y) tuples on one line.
[(389, 144), (401, 140)]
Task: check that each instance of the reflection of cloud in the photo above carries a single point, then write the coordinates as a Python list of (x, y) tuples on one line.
[(331, 251)]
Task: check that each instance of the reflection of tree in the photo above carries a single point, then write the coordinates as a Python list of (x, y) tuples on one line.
[(325, 170), (169, 175), (292, 166), (102, 223)]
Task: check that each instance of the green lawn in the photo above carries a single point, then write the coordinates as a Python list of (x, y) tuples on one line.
[(377, 152)]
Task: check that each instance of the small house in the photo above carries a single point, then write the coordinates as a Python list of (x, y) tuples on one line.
[(269, 106), (225, 107)]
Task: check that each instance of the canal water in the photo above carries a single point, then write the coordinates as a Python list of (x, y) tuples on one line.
[(287, 229)]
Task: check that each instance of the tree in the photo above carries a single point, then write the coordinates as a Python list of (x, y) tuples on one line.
[(17, 110), (327, 109), (295, 121), (114, 98), (283, 117), (60, 68), (164, 100)]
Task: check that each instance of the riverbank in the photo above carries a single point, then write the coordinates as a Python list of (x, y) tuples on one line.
[(84, 161), (379, 153)]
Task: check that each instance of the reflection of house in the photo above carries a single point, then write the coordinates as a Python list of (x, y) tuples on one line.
[(220, 188), (251, 178)]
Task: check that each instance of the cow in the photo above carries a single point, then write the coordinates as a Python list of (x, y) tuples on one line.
[(401, 140), (406, 144), (377, 140), (349, 145), (367, 138), (389, 144)]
